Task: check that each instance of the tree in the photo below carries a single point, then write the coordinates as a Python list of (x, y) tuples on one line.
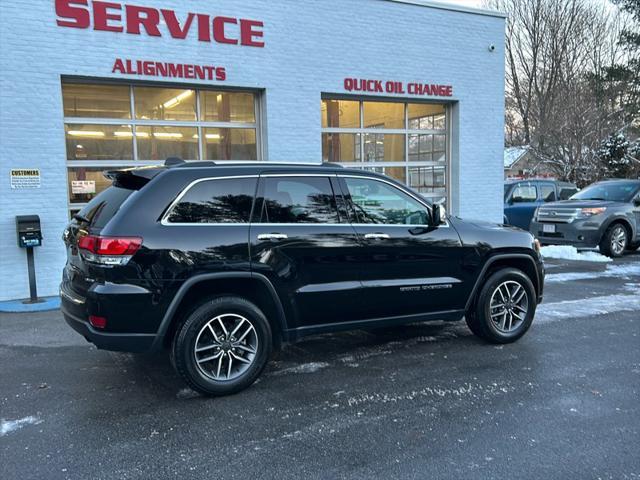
[(561, 99)]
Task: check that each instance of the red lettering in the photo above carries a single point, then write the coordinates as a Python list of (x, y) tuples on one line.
[(161, 69), (221, 74), (173, 24), (75, 17), (249, 33), (204, 28), (175, 70), (219, 34), (118, 66), (150, 20), (149, 68), (101, 16), (448, 91), (188, 71), (199, 72)]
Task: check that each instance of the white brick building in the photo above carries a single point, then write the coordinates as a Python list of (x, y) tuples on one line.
[(268, 80)]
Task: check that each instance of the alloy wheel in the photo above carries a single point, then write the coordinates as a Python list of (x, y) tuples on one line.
[(509, 306), (226, 347), (618, 240)]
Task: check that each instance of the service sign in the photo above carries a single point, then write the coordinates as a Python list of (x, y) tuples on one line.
[(420, 89), (24, 178), (79, 187)]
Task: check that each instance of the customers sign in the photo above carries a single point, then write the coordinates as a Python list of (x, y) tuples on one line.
[(138, 20)]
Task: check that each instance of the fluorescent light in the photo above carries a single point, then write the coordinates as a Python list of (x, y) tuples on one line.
[(213, 136), (123, 134), (85, 133), (176, 100), (167, 135)]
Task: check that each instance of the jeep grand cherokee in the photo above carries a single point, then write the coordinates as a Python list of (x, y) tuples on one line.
[(220, 264)]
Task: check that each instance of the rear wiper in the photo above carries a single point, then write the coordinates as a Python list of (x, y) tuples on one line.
[(80, 218)]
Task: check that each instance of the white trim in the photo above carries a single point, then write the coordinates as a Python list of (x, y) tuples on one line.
[(448, 6)]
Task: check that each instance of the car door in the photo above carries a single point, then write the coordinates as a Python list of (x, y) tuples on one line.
[(306, 248), (408, 266), (521, 204)]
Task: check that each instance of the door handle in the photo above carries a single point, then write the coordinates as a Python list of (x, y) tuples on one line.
[(272, 236), (377, 236)]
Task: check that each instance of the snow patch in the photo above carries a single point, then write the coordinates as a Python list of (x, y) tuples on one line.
[(303, 368), (586, 307), (9, 426), (618, 271), (566, 252)]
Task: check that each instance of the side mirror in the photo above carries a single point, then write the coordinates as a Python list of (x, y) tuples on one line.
[(436, 214), (636, 202)]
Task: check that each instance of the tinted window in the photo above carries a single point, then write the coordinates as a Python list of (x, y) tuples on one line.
[(216, 201), (379, 203), (103, 207), (565, 193), (548, 192), (524, 192), (614, 191), (298, 200)]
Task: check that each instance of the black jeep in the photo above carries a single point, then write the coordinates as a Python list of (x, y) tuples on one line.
[(221, 263)]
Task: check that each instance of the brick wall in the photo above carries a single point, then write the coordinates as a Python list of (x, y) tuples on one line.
[(310, 48)]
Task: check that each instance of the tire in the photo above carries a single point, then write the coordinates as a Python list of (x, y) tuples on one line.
[(518, 312), (614, 241), (216, 368)]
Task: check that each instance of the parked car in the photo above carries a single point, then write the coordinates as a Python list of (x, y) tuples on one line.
[(522, 197), (605, 214), (221, 263)]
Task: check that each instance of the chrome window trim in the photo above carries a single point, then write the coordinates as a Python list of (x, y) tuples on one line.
[(165, 222)]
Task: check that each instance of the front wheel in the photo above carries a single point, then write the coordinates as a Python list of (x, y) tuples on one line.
[(505, 307), (614, 241), (223, 346)]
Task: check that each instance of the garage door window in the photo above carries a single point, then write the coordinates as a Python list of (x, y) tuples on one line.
[(116, 125)]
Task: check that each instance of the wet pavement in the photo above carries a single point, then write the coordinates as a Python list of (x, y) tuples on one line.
[(420, 401)]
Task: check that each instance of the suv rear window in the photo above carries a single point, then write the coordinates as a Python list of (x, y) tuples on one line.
[(225, 200), (104, 206)]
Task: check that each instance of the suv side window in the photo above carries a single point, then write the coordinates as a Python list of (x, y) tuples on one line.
[(524, 192), (376, 202), (216, 201), (298, 200), (548, 192)]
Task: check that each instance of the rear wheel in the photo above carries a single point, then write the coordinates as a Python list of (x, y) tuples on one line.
[(223, 346), (505, 307), (614, 241)]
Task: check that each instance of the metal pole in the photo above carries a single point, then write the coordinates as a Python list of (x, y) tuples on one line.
[(32, 276)]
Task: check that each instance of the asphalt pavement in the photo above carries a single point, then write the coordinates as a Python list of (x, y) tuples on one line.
[(420, 401)]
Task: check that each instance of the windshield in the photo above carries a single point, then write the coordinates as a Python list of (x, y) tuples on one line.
[(506, 190), (614, 192)]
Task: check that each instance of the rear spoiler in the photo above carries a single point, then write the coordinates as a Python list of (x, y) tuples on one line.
[(133, 178)]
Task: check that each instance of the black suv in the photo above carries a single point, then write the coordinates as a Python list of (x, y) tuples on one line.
[(221, 263)]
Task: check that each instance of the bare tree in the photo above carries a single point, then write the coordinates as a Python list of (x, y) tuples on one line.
[(558, 102)]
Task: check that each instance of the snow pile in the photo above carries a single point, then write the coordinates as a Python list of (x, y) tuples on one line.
[(566, 252), (8, 426)]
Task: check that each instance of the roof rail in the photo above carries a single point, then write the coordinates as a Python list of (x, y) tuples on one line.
[(332, 165), (173, 161)]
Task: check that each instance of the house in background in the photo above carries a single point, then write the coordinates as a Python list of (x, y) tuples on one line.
[(522, 162)]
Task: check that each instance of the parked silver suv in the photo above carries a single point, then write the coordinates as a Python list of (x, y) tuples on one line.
[(605, 214)]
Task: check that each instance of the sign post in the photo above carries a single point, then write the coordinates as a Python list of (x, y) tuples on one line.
[(30, 236)]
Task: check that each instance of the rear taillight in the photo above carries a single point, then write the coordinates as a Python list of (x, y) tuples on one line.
[(108, 250), (97, 322)]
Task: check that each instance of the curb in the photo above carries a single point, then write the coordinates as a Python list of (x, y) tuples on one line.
[(16, 306)]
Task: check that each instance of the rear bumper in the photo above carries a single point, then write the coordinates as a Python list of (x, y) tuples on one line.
[(577, 234), (118, 342), (76, 310)]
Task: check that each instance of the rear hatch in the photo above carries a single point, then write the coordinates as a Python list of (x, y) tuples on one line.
[(79, 275)]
